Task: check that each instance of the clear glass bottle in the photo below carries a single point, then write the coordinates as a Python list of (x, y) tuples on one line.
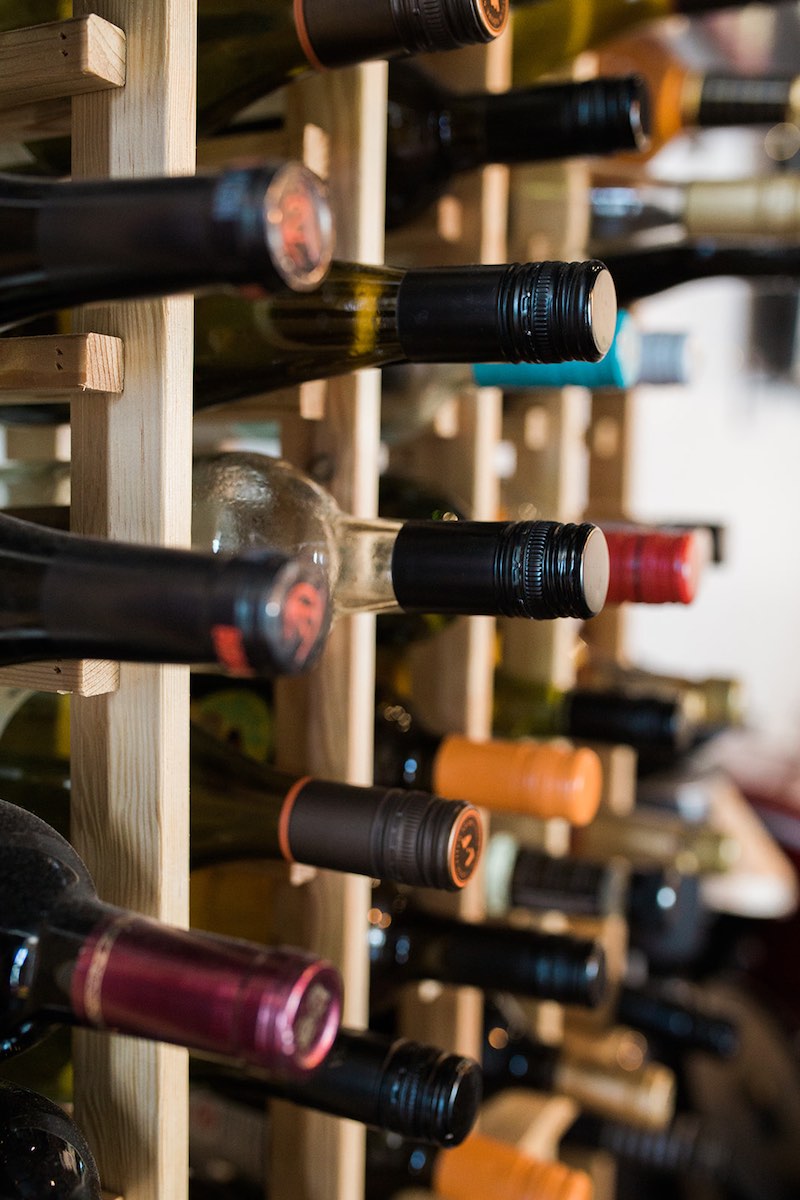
[(530, 569)]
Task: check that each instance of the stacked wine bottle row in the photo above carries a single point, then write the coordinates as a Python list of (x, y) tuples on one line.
[(277, 559)]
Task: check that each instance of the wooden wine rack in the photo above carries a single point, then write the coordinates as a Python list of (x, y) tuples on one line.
[(131, 480)]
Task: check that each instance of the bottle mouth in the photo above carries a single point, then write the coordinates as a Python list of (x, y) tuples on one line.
[(553, 570), (562, 311), (294, 1016), (299, 226), (431, 1096), (448, 24)]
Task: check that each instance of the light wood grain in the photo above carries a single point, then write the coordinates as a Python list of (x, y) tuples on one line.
[(62, 58), (610, 442), (131, 480), (548, 431), (40, 368), (87, 677), (325, 721), (35, 121)]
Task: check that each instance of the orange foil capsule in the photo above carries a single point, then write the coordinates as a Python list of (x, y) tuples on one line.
[(540, 779), (482, 1168)]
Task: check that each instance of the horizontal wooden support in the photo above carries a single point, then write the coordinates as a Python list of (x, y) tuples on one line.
[(62, 58), (85, 677), (38, 368), (37, 121)]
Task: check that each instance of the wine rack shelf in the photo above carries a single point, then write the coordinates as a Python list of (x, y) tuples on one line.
[(131, 473), (42, 66), (39, 369), (87, 677)]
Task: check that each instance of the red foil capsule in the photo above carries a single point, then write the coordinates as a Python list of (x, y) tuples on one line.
[(649, 566)]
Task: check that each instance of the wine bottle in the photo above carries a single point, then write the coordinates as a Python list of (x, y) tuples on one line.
[(717, 702), (549, 33), (679, 1026), (511, 1058), (481, 1168), (243, 809), (659, 727), (81, 242), (761, 207), (537, 778), (652, 566), (518, 876), (247, 48), (396, 1084), (434, 133), (364, 316), (66, 596), (69, 958), (645, 272), (693, 1147), (42, 1151), (653, 899), (533, 778), (651, 838), (537, 569), (684, 99), (406, 944)]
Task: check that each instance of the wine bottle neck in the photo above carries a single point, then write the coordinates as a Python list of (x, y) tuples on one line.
[(70, 597), (397, 1085), (744, 100), (92, 241), (271, 1008), (364, 580), (547, 122), (413, 945), (646, 272)]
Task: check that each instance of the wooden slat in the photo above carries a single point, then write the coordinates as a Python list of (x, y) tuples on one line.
[(62, 58), (33, 122), (610, 442), (87, 677), (131, 480), (547, 430), (318, 1157), (40, 368)]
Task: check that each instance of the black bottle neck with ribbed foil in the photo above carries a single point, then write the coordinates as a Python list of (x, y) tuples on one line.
[(536, 569), (531, 312), (396, 1084), (392, 27), (560, 120), (678, 1025), (744, 100), (406, 944)]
